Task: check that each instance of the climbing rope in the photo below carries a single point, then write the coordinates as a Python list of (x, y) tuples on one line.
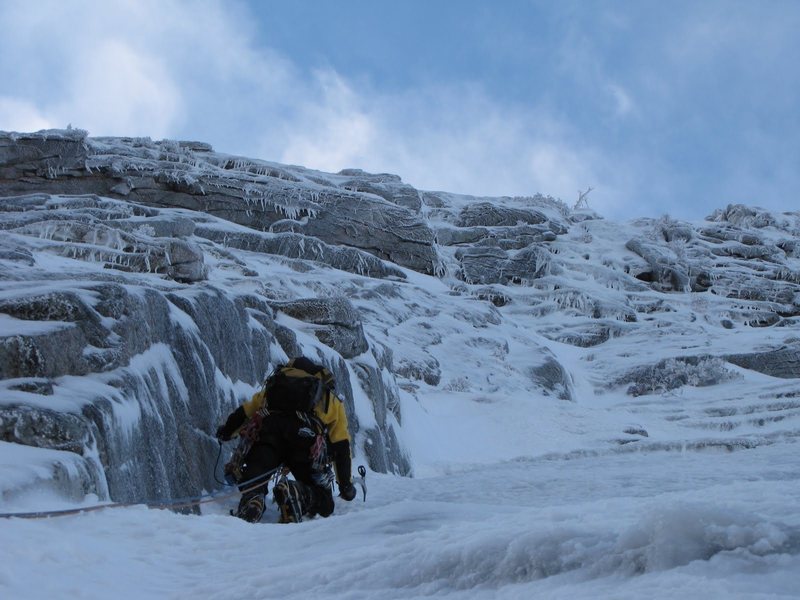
[(176, 504)]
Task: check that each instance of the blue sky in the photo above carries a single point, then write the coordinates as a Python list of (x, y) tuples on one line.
[(661, 107)]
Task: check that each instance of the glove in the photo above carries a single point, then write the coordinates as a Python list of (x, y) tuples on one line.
[(235, 420), (223, 435), (347, 491)]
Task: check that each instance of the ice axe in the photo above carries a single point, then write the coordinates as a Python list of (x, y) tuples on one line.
[(362, 480)]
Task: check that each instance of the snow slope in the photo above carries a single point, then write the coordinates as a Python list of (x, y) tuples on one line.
[(617, 525), (512, 504)]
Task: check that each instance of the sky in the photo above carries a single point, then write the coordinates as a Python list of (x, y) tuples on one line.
[(672, 108)]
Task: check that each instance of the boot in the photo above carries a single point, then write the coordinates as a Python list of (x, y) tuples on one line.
[(251, 508), (289, 498)]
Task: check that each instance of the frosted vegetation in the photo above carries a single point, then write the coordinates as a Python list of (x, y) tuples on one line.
[(548, 403)]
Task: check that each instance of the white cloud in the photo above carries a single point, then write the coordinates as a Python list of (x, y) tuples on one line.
[(19, 115), (117, 89), (623, 102), (451, 139), (331, 130), (127, 68)]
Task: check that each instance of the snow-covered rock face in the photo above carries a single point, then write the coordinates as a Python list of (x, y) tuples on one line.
[(257, 195), (147, 288)]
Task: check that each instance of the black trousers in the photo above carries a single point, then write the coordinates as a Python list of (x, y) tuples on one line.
[(287, 440)]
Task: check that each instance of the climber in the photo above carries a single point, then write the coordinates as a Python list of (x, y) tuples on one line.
[(295, 423)]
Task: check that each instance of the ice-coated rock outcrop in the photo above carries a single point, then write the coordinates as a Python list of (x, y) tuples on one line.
[(341, 327), (148, 287), (252, 193)]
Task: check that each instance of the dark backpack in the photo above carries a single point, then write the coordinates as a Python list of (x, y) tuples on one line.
[(291, 389), (295, 387)]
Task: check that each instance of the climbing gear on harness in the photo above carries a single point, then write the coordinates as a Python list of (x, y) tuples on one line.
[(318, 453), (321, 471), (324, 478), (248, 434)]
